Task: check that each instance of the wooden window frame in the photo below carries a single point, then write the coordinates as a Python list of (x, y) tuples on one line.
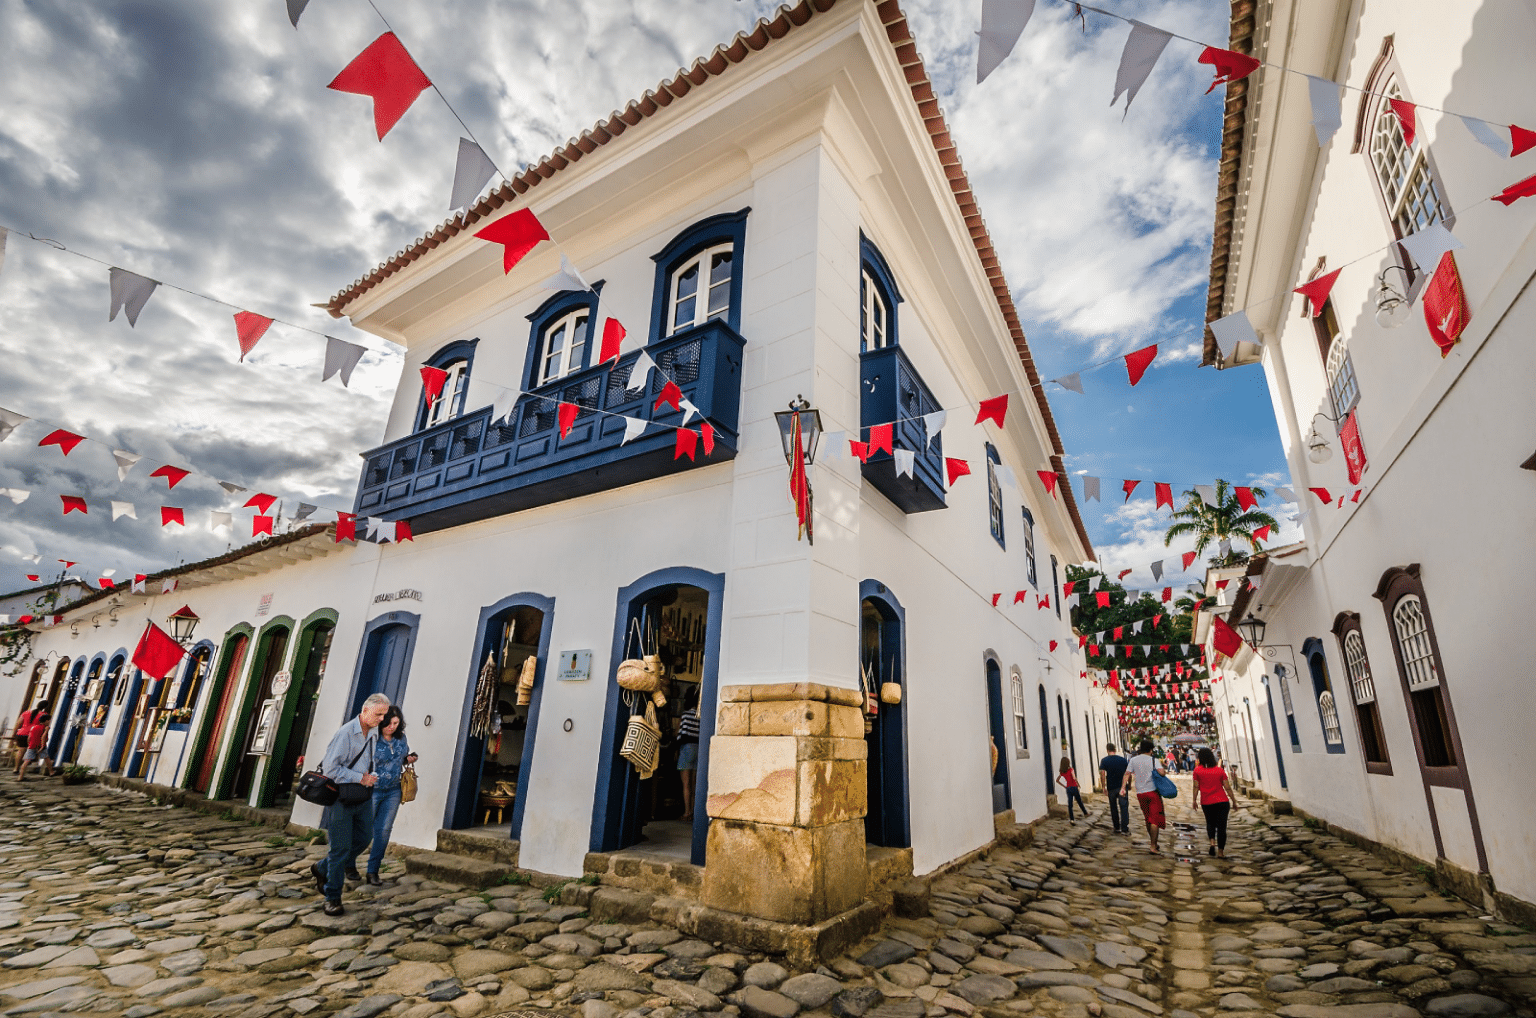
[(1368, 726), (1396, 584)]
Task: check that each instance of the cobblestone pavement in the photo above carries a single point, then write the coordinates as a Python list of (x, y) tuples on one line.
[(112, 904)]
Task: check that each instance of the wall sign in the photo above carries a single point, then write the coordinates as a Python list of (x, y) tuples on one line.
[(574, 665), (281, 681), (400, 595), (264, 605)]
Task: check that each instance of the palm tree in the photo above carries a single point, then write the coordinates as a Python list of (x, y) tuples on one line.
[(1226, 521)]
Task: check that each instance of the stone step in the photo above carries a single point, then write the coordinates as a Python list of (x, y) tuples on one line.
[(457, 869), (492, 846)]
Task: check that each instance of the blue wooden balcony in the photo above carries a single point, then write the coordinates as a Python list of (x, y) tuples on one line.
[(469, 469), (892, 390)]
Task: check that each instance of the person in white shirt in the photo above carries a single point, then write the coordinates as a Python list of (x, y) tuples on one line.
[(1141, 767)]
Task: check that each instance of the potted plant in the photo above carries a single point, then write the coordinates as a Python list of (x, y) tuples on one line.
[(77, 774)]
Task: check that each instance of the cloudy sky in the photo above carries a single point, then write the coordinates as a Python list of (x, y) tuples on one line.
[(194, 141)]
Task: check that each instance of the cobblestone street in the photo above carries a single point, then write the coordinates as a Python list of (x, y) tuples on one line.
[(112, 904)]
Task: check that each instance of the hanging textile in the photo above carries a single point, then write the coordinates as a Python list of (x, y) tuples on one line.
[(485, 700)]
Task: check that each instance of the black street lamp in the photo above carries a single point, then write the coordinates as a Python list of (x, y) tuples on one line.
[(799, 431), (1252, 628), (183, 622)]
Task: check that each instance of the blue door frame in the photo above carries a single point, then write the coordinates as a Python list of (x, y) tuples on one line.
[(384, 666), (1002, 792), (888, 821), (1274, 732), (62, 717), (1045, 743), (469, 757), (615, 808), (125, 722)]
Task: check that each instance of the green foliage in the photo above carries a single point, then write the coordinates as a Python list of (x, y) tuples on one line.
[(77, 771), (515, 877), (552, 893), (1225, 521), (16, 643)]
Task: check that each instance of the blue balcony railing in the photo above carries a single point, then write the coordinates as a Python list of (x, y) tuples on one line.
[(892, 390), (471, 469)]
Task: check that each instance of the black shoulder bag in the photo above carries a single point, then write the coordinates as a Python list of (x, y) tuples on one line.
[(315, 787)]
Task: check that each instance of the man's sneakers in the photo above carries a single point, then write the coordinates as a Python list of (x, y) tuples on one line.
[(317, 871), (333, 907), (354, 876)]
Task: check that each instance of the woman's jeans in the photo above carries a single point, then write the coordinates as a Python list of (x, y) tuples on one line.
[(386, 803), (1076, 793), (1216, 814)]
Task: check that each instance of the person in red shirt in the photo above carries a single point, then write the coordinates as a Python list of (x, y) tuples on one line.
[(19, 735), (37, 743), (1214, 796), (1067, 779)]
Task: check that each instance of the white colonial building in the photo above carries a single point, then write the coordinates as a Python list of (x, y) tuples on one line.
[(787, 217), (1391, 672)]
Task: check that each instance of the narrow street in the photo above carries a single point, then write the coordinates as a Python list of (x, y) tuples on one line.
[(112, 904)]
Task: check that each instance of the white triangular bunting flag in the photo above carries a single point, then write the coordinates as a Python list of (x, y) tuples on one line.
[(1137, 627), (470, 174), (1426, 246), (138, 583), (1327, 110), (933, 424), (16, 495), (1254, 581), (231, 487), (296, 8), (1093, 582), (1002, 22), (1286, 493), (1495, 136), (220, 519), (340, 358), (567, 278), (130, 292), (904, 461), (378, 531), (1226, 547), (1232, 330), (834, 446), (1006, 476), (305, 512), (1074, 382), (167, 586), (503, 404), (689, 410), (1207, 493), (1142, 48), (9, 419), (125, 462), (1157, 574), (639, 372), (1301, 516), (1183, 648), (1091, 488), (120, 509), (1109, 650), (1074, 600), (634, 427)]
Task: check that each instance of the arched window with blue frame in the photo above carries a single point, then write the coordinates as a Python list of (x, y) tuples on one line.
[(995, 497), (698, 276), (561, 337), (878, 297), (1322, 688), (1029, 544), (457, 358)]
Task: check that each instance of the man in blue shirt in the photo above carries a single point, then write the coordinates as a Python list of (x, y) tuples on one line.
[(349, 761), (1112, 774)]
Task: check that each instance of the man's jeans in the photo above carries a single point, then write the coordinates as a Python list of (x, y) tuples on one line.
[(385, 805), (348, 829), (1119, 811)]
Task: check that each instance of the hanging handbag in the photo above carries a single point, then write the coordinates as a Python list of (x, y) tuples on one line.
[(408, 783), (1164, 785), (642, 741), (525, 681), (315, 787), (642, 674), (890, 693)]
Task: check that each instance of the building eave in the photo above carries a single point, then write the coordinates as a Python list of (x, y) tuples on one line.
[(1228, 176)]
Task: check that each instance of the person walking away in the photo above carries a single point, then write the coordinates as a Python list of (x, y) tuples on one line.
[(19, 736), (37, 746), (1066, 777), (1214, 796), (1141, 768), (1112, 777), (349, 824), (688, 755), (391, 756)]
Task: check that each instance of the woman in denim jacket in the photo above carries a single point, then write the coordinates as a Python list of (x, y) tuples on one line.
[(392, 755)]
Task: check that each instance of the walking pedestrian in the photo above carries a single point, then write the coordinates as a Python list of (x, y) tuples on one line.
[(1066, 777), (1214, 796), (1112, 776), (391, 756), (688, 754), (1142, 766), (19, 736), (349, 822), (37, 747)]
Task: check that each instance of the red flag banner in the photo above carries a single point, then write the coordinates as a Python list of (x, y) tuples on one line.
[(1404, 111), (1521, 140), (65, 440), (1317, 291), (346, 527), (1048, 479), (249, 328), (1136, 362), (800, 484), (386, 73), (1262, 533), (1019, 595), (1229, 65), (261, 525), (1129, 486), (1354, 450), (260, 501), (73, 504), (860, 450), (1322, 493), (432, 381), (1225, 638), (955, 469), (566, 412), (613, 335), (1514, 192), (707, 433), (1103, 598), (880, 438), (403, 531), (171, 514), (993, 410), (1445, 306), (671, 395), (1245, 498), (156, 653), (172, 475), (1189, 557), (687, 443), (1164, 495), (517, 233)]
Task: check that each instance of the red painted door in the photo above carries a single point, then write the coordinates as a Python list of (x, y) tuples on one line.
[(230, 680)]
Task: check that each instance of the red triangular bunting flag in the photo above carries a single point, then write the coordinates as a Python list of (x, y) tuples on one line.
[(1403, 110), (172, 475), (1103, 598), (956, 469), (346, 527), (1164, 495), (994, 410), (1048, 479), (73, 504), (170, 514), (1230, 66), (1066, 588), (566, 413), (708, 434), (1124, 573), (517, 233), (1137, 360), (249, 328), (1167, 595), (1082, 640), (1222, 584), (34, 577), (859, 449), (1445, 305), (67, 564), (403, 531), (157, 653), (432, 381), (65, 440), (261, 525), (1129, 487), (105, 583), (1245, 498), (1522, 140), (613, 335), (1053, 645), (1189, 557), (260, 501), (995, 597), (687, 443), (1093, 650), (1018, 596), (1322, 493), (1044, 602), (880, 438), (1514, 192), (1317, 291), (1119, 632), (1262, 533), (670, 395), (386, 72), (1224, 637)]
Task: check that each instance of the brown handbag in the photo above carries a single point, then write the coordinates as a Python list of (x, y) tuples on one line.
[(408, 783)]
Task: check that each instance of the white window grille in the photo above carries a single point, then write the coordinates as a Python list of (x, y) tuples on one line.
[(701, 288), (1332, 733), (1413, 640), (1342, 387), (1413, 195), (874, 316), (447, 405), (565, 343), (1359, 667), (1020, 728)]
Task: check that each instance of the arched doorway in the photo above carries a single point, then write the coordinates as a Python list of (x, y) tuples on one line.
[(205, 750), (55, 686), (384, 666), (298, 709), (128, 695), (1045, 743), (1002, 798), (109, 690), (64, 718), (33, 683), (81, 715), (492, 769), (679, 611), (240, 765), (882, 659)]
